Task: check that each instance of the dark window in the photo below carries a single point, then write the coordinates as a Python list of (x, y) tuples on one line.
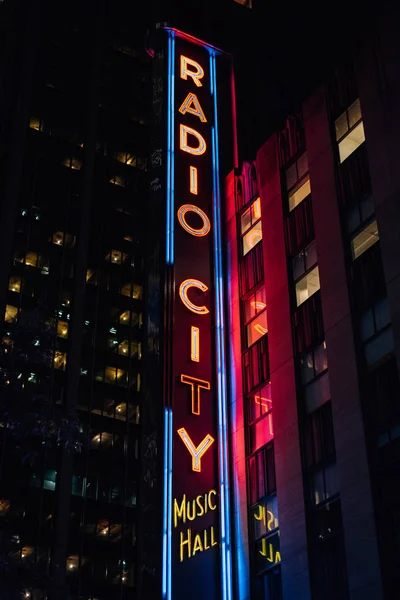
[(268, 586), (328, 562), (308, 324), (255, 365), (299, 227), (251, 270), (261, 474)]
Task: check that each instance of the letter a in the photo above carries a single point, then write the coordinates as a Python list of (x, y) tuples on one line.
[(192, 105)]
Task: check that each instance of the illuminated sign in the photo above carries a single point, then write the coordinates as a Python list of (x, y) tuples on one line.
[(196, 526)]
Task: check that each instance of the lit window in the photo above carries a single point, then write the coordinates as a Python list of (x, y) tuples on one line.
[(246, 3), (60, 360), (132, 290), (4, 507), (31, 259), (34, 123), (299, 192), (365, 239), (298, 181), (102, 440), (259, 410), (114, 375), (10, 313), (60, 238), (307, 286), (250, 225), (255, 316), (132, 349), (349, 130), (14, 284), (306, 259), (255, 304), (72, 163), (72, 563), (118, 180), (252, 238), (129, 318), (126, 158), (91, 276), (257, 328), (116, 257), (62, 329), (250, 216), (128, 238)]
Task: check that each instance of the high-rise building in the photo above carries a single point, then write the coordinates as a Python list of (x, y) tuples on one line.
[(312, 245)]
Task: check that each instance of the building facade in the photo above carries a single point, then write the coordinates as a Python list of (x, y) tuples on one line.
[(312, 230)]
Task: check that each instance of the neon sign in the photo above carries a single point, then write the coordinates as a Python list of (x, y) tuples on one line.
[(195, 426)]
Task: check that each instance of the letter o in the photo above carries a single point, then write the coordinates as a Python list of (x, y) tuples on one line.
[(183, 290), (185, 208)]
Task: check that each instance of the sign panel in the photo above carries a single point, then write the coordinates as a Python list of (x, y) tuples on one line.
[(196, 536)]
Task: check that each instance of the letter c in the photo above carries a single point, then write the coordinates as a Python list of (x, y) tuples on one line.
[(212, 506), (183, 290)]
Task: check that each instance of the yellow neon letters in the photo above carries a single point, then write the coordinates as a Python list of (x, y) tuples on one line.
[(202, 541), (196, 453), (183, 290), (183, 140), (193, 180), (185, 208), (196, 385), (192, 509), (194, 344), (196, 75), (192, 106)]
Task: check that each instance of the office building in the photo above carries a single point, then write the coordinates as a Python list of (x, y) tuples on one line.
[(313, 228)]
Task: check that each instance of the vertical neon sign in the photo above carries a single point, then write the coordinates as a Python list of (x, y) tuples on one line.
[(196, 514)]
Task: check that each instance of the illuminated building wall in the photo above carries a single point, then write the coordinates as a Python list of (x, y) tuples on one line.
[(312, 236)]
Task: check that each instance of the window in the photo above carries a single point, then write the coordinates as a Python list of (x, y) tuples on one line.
[(113, 375), (102, 440), (132, 290), (126, 158), (264, 517), (116, 257), (304, 261), (36, 123), (255, 316), (255, 365), (59, 238), (14, 284), (261, 474), (307, 286), (132, 349), (365, 239), (60, 360), (62, 329), (250, 226), (268, 586), (259, 413), (349, 130), (317, 393), (10, 313), (376, 333), (319, 443), (267, 552), (72, 163), (359, 212), (298, 181), (313, 363), (128, 317)]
